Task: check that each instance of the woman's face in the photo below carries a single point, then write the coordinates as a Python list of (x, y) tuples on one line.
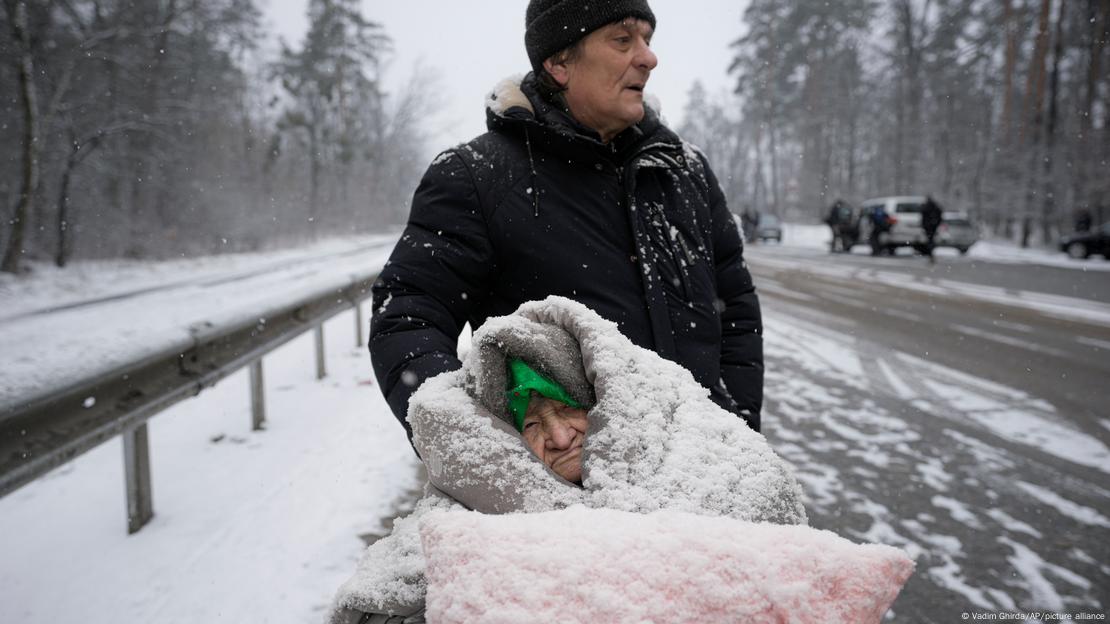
[(555, 432)]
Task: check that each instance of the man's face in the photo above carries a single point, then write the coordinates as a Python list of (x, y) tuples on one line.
[(605, 84), (555, 432)]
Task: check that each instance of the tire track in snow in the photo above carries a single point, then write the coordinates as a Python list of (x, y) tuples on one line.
[(883, 458)]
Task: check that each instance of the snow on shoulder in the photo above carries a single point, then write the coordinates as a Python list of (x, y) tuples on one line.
[(507, 94), (603, 565)]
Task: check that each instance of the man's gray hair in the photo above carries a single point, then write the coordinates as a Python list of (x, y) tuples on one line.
[(549, 87)]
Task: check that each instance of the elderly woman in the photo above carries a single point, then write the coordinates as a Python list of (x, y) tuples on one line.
[(552, 423), (554, 407)]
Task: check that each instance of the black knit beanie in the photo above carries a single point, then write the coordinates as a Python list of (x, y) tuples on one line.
[(553, 25)]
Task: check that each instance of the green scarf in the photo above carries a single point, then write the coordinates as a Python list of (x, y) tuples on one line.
[(523, 381)]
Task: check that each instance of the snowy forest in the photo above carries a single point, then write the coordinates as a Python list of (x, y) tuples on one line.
[(1000, 108), (164, 127)]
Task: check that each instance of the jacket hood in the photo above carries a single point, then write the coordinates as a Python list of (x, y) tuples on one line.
[(550, 350)]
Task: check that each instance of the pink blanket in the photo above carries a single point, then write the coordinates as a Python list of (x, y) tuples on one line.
[(599, 565)]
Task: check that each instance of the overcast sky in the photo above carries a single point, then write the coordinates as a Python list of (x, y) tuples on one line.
[(472, 44)]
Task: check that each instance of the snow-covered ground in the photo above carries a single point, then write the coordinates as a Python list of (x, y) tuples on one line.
[(64, 325), (263, 526), (997, 491), (248, 527), (894, 449)]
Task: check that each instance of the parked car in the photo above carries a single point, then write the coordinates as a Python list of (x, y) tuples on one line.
[(770, 228), (1084, 244), (957, 230)]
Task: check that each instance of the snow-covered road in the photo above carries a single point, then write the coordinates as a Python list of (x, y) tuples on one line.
[(963, 423), (891, 448)]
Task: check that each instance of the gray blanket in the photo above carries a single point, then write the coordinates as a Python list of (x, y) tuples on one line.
[(655, 441)]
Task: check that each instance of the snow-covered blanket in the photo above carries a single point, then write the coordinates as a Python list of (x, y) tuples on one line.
[(390, 575), (655, 441), (598, 565)]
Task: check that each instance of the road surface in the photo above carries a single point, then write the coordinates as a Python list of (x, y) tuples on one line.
[(960, 410)]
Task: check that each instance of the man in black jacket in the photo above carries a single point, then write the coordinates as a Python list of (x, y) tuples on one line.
[(931, 218), (577, 190)]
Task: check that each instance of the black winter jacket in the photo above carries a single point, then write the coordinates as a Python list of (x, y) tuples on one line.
[(636, 229)]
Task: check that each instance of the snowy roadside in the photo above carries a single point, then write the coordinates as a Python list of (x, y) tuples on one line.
[(48, 287), (248, 526), (993, 250), (263, 526), (59, 327)]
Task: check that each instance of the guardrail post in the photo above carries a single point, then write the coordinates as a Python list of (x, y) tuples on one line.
[(321, 370), (358, 324), (136, 469), (258, 396)]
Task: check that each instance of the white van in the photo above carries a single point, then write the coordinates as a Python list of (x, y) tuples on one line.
[(906, 230)]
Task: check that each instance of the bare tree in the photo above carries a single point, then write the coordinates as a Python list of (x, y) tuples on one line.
[(25, 60), (1032, 132), (1048, 194)]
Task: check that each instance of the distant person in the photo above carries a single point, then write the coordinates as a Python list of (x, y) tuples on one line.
[(880, 223), (833, 221), (849, 227), (577, 189), (839, 221), (931, 218), (746, 225), (751, 225), (1083, 221)]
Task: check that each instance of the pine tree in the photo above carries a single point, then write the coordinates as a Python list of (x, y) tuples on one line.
[(332, 84)]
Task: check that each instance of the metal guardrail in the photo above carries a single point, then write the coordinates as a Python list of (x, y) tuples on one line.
[(52, 428)]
